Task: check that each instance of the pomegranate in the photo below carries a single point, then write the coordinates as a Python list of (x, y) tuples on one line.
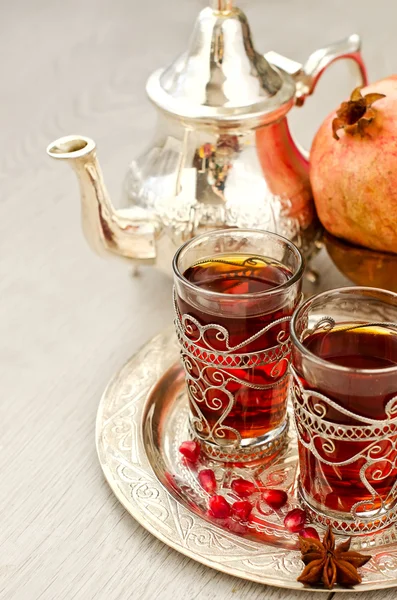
[(352, 168), (207, 480), (309, 532), (275, 498), (295, 520), (218, 507), (242, 509), (243, 487), (190, 450)]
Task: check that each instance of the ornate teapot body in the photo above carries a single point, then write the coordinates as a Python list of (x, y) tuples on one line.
[(223, 155)]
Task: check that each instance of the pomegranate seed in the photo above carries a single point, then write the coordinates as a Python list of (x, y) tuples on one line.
[(243, 487), (190, 450), (295, 520), (275, 498), (219, 522), (207, 480), (242, 509), (219, 507), (309, 532)]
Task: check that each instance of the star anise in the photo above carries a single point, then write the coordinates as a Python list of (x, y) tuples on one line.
[(328, 564), (355, 115)]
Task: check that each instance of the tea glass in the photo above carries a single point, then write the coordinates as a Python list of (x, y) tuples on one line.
[(235, 348), (346, 417)]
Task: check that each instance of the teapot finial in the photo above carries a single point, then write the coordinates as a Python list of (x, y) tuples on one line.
[(107, 230), (221, 5)]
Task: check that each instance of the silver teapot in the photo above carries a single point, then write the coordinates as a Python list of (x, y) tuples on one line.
[(222, 156)]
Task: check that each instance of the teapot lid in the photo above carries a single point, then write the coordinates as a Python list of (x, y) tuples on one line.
[(222, 77)]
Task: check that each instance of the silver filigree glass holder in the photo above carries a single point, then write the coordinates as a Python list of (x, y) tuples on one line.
[(237, 384), (226, 368), (346, 416)]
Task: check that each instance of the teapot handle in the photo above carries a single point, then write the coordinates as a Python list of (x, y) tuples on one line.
[(306, 76), (320, 60)]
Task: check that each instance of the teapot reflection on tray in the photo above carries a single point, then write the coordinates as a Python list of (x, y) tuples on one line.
[(362, 265), (222, 156)]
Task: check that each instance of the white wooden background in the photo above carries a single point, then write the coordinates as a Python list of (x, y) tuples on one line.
[(67, 319)]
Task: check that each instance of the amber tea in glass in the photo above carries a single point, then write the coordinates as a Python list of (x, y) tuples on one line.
[(235, 292), (345, 395)]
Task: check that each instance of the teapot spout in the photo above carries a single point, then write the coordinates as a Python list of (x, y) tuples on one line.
[(107, 230)]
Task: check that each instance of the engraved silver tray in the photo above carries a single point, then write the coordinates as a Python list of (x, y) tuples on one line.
[(141, 421)]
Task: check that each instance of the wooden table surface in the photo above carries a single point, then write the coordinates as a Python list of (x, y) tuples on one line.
[(68, 320)]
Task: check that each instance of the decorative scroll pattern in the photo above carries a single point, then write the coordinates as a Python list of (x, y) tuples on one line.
[(209, 371), (190, 333)]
